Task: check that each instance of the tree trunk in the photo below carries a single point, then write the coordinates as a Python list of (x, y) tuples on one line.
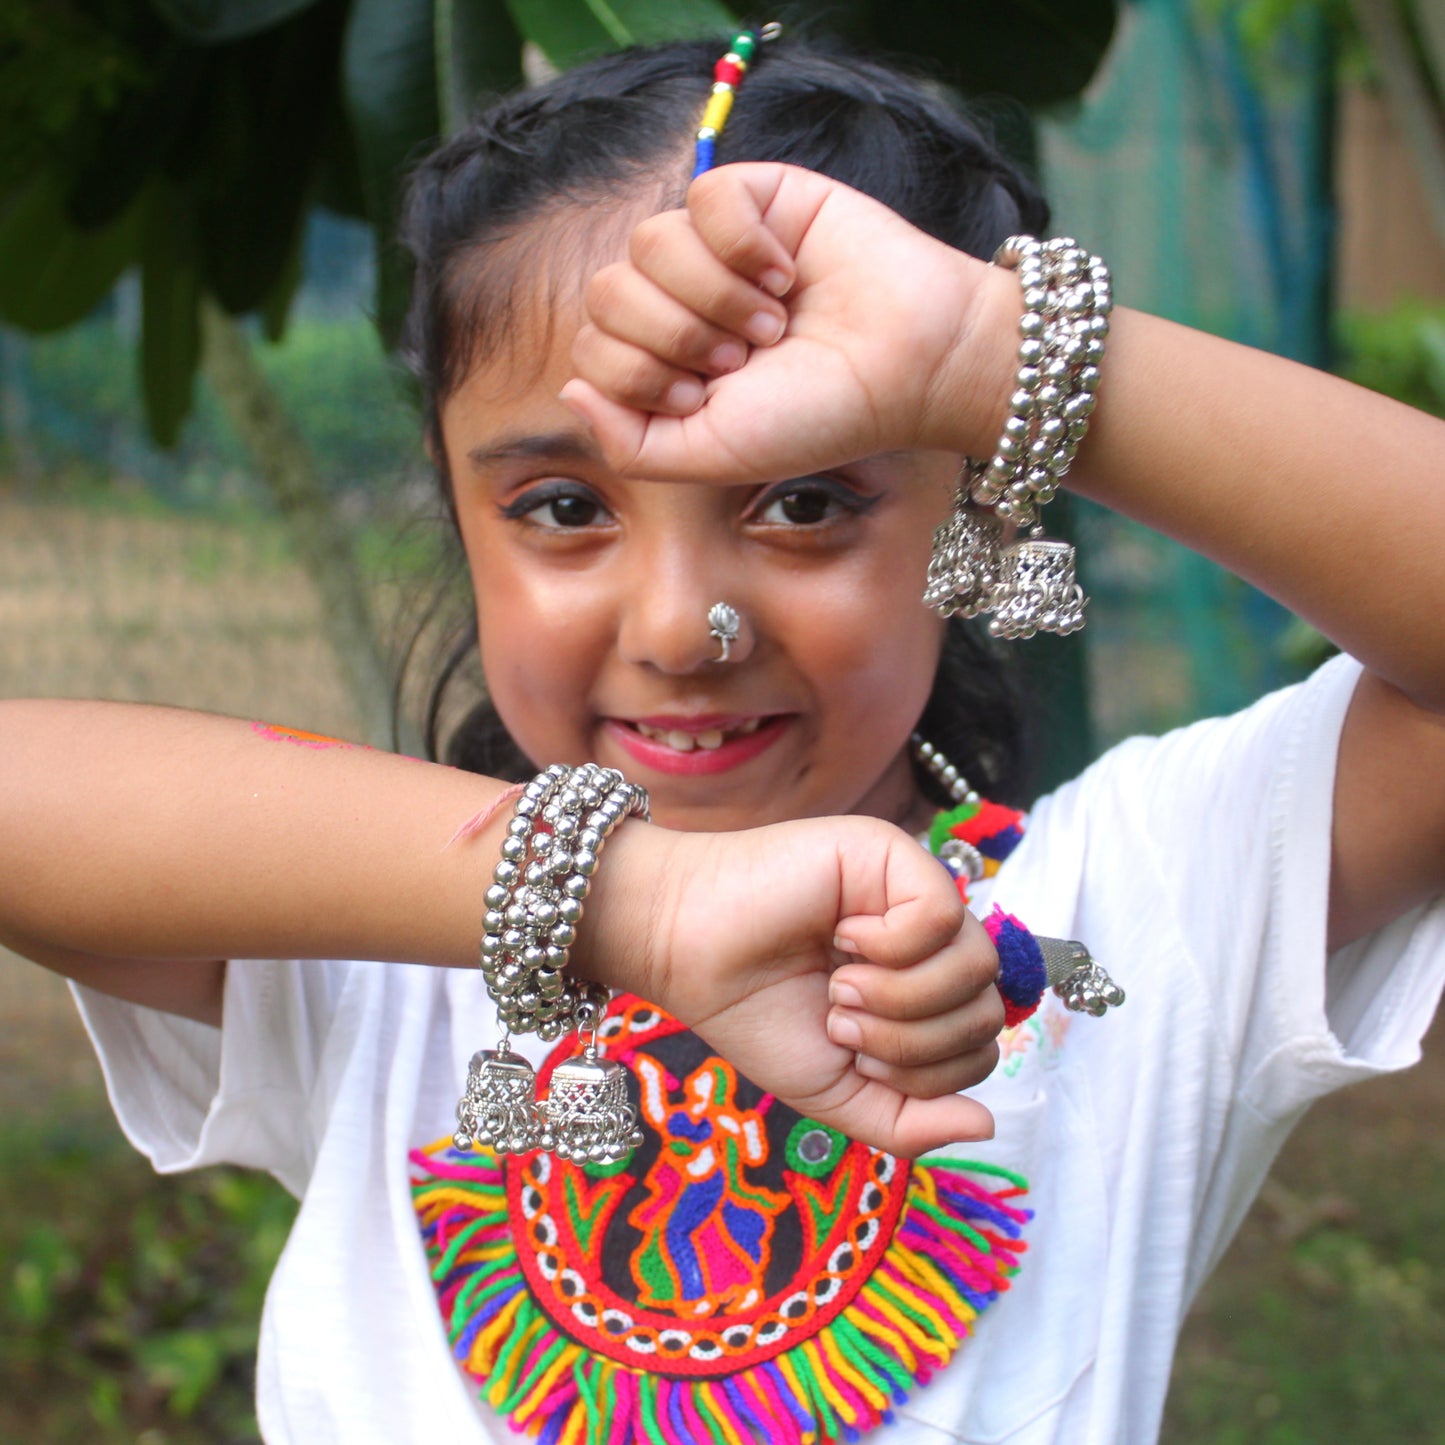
[(1405, 75), (322, 540)]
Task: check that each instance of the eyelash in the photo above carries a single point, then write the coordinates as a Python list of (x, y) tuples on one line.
[(852, 503), (525, 507)]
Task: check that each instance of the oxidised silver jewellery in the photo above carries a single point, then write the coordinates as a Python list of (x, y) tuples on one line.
[(726, 626), (1082, 984), (549, 856), (1029, 584)]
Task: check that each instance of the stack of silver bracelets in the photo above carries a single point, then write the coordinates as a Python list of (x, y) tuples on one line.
[(551, 851), (1029, 585)]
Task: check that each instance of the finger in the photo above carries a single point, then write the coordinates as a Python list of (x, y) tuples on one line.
[(912, 926), (958, 972), (625, 304), (668, 251), (632, 376), (878, 1115), (737, 212), (619, 430), (932, 1081), (922, 1041)]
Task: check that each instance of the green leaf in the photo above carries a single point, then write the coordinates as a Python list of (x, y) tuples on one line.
[(478, 55), (276, 307), (389, 81), (138, 138), (571, 30), (213, 22), (170, 311), (185, 1364), (268, 106), (1041, 52), (53, 273)]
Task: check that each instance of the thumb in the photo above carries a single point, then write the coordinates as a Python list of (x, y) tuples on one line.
[(619, 430)]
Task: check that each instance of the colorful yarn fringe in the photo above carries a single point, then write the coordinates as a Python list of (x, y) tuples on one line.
[(955, 1246)]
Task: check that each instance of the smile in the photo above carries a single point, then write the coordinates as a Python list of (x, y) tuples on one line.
[(695, 746)]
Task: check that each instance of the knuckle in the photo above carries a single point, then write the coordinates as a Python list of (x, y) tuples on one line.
[(641, 377), (685, 340), (980, 1064), (650, 238), (602, 290)]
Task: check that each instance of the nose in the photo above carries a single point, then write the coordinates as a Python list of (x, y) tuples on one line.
[(686, 614)]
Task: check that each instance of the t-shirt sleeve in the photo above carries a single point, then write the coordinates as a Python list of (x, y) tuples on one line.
[(188, 1095), (1233, 817)]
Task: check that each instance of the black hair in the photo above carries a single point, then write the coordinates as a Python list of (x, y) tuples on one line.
[(618, 129)]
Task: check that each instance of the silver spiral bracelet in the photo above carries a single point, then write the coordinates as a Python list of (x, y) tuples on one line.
[(1029, 585), (551, 851)]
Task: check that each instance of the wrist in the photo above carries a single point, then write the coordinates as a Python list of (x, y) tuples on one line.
[(620, 943), (968, 400)]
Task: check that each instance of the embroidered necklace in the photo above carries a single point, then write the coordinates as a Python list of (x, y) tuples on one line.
[(747, 1273)]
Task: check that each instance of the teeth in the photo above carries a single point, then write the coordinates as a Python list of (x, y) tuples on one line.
[(685, 742)]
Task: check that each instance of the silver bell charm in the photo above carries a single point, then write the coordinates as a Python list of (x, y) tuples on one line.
[(1036, 590), (499, 1106), (963, 570), (587, 1116), (1082, 984)]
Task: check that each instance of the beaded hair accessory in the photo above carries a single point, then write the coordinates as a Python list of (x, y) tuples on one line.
[(727, 75)]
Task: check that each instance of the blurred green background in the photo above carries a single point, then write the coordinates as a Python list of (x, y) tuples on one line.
[(1254, 168)]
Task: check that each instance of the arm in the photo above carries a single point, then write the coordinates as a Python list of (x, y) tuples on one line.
[(1328, 497), (139, 846)]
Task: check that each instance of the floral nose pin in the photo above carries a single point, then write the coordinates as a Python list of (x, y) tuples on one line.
[(725, 625)]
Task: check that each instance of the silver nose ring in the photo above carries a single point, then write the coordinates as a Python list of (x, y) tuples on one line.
[(725, 625)]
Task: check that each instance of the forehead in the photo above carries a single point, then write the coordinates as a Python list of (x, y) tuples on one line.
[(517, 301)]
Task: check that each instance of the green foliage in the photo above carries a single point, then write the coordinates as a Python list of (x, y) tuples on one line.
[(341, 391), (191, 137), (132, 1301), (1400, 352)]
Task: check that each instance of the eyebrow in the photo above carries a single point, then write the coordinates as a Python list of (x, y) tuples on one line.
[(566, 446)]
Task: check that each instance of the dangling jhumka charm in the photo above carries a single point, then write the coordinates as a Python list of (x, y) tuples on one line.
[(964, 568), (1081, 983), (1036, 589), (587, 1116), (499, 1107)]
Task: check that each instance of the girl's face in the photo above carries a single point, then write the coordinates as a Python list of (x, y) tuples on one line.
[(593, 596)]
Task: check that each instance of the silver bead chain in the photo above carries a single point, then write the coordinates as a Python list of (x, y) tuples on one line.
[(954, 783), (533, 907), (1067, 295)]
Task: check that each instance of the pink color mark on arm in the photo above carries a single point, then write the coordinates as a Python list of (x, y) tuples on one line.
[(478, 821)]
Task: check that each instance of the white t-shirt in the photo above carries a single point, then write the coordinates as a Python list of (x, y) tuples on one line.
[(1195, 867)]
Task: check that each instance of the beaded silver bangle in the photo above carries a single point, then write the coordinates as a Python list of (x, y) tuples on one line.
[(1029, 585), (554, 841)]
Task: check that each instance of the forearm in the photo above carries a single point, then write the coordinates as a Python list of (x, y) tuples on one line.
[(157, 834), (1325, 495)]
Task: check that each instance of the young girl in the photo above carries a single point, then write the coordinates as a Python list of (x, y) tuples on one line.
[(696, 454)]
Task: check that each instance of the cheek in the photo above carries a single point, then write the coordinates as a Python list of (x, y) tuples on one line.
[(540, 635), (869, 642)]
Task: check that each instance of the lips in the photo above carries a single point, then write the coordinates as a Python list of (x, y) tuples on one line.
[(696, 745)]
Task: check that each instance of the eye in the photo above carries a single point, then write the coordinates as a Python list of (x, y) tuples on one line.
[(557, 506), (810, 503)]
